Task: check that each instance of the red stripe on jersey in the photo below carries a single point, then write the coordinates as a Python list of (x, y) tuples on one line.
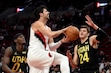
[(42, 37)]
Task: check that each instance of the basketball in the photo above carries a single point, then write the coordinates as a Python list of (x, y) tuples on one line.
[(72, 33)]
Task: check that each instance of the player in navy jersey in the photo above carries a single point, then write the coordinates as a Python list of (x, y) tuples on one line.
[(85, 52), (14, 60)]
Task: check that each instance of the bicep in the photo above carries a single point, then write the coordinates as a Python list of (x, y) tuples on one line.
[(93, 40), (7, 54), (43, 29)]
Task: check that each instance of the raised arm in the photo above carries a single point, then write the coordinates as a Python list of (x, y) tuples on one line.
[(101, 34)]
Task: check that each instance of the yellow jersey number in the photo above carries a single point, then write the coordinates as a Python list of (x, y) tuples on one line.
[(84, 57), (15, 67)]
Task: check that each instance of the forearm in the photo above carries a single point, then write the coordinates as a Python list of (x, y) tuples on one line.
[(101, 34), (57, 33), (54, 46), (94, 26), (6, 69), (72, 63)]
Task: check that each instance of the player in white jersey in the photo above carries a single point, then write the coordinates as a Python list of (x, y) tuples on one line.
[(42, 49)]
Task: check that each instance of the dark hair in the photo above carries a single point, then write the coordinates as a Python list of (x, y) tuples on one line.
[(85, 26), (39, 10), (15, 37)]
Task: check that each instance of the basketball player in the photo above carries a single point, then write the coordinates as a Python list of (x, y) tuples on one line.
[(14, 60), (42, 49), (85, 52)]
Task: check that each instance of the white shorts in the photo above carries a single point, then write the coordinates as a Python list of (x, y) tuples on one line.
[(40, 61), (40, 58)]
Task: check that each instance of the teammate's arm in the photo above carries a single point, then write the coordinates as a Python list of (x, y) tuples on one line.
[(6, 60)]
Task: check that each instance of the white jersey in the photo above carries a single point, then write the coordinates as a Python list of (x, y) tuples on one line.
[(35, 43), (40, 59)]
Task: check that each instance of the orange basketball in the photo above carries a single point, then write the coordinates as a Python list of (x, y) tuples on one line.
[(72, 33)]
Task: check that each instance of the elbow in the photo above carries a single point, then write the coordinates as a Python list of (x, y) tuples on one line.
[(51, 35), (75, 63)]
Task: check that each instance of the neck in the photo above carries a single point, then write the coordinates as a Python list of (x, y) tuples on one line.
[(44, 21), (83, 39), (19, 47)]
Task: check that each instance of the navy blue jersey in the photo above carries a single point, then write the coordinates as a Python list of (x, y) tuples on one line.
[(88, 57), (18, 61)]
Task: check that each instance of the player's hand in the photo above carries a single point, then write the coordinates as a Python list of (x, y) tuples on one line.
[(65, 40), (64, 29), (90, 22), (69, 55)]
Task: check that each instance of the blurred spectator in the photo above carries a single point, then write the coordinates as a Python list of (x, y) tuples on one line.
[(109, 70), (103, 71), (2, 49), (101, 57), (55, 69)]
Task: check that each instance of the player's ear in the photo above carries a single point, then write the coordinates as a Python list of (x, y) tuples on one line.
[(41, 14), (15, 40)]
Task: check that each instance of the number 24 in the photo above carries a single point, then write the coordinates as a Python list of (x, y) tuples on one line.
[(84, 57)]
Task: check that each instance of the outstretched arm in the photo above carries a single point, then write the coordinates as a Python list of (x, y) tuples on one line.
[(91, 23), (101, 34)]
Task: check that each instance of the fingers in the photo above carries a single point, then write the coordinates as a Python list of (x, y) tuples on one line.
[(65, 40), (88, 18), (67, 52)]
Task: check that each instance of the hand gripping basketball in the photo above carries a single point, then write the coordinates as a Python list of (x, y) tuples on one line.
[(72, 33)]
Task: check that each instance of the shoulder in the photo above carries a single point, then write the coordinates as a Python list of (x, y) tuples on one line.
[(8, 51), (9, 48), (37, 25), (93, 37), (93, 40), (75, 48), (48, 27)]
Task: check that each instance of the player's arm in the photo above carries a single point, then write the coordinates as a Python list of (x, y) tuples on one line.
[(73, 61), (6, 60), (101, 34), (75, 57), (69, 55), (52, 34), (55, 45)]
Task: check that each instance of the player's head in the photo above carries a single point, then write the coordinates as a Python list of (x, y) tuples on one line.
[(41, 11), (84, 31), (19, 39)]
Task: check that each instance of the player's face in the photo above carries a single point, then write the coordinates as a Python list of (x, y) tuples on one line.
[(83, 33), (20, 39), (46, 13)]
